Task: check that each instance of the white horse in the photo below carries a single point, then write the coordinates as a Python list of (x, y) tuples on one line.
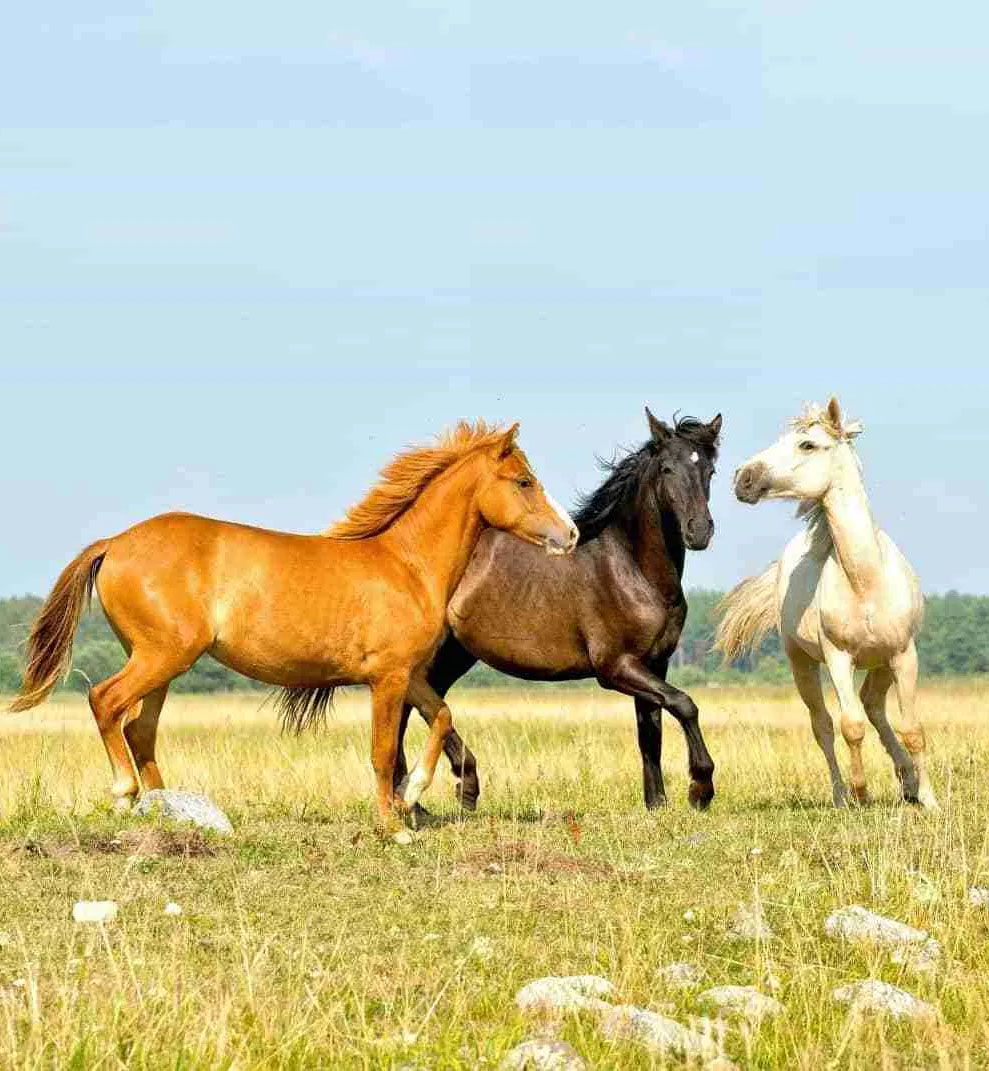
[(842, 594)]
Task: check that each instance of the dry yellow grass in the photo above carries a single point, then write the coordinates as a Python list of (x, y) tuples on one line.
[(309, 942)]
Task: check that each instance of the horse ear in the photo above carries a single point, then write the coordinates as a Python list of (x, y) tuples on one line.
[(660, 432), (508, 442), (834, 413), (715, 427)]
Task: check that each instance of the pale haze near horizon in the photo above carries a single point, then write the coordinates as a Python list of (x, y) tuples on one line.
[(247, 255)]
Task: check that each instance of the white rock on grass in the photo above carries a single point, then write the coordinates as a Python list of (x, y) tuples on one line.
[(557, 996), (680, 975), (482, 948), (542, 1054), (923, 889), (744, 1001), (911, 947), (656, 1033), (873, 995), (94, 911), (978, 897), (749, 923), (173, 909), (184, 807)]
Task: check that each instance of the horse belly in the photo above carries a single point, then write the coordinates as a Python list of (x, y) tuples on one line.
[(292, 638)]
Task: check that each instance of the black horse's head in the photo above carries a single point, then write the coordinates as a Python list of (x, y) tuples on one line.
[(681, 471), (671, 473)]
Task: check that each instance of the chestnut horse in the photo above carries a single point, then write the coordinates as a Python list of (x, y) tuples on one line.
[(364, 603)]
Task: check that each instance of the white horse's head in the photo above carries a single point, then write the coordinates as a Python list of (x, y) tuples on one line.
[(804, 462)]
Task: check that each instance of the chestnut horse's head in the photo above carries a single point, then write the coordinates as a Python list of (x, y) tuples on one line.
[(511, 498)]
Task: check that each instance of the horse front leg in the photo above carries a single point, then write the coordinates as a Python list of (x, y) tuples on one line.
[(631, 675), (440, 721)]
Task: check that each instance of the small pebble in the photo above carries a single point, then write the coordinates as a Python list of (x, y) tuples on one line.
[(94, 911), (172, 908), (542, 1054), (680, 975)]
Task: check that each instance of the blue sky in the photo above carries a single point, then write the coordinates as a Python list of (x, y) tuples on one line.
[(248, 252)]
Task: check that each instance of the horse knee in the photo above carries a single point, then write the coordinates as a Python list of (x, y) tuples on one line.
[(852, 728), (683, 708), (914, 741)]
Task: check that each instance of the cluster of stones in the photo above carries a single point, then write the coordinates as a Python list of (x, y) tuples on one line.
[(554, 997), (703, 1039)]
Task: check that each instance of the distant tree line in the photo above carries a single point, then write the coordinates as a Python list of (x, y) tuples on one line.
[(954, 641)]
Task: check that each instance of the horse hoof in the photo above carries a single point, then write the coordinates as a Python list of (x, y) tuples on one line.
[(123, 804), (467, 800), (657, 803), (861, 795), (700, 795)]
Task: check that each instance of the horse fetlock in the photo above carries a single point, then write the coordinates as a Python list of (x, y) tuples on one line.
[(467, 794), (860, 792), (909, 782)]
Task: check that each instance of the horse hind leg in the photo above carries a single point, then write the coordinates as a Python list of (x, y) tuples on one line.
[(873, 695), (110, 702), (904, 670), (141, 732)]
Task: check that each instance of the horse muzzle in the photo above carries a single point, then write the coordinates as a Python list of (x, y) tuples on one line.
[(751, 483)]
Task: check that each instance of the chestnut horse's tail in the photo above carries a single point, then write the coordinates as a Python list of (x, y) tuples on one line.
[(748, 613), (49, 647)]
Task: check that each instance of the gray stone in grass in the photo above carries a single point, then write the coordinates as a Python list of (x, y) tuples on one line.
[(183, 807), (542, 1054), (873, 995), (656, 1033), (910, 947), (680, 975), (744, 1001), (749, 923), (560, 995)]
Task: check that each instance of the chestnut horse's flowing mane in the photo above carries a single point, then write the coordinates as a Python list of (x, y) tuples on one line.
[(405, 478)]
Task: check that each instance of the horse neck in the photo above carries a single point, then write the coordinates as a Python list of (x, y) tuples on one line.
[(437, 533), (853, 530), (659, 550)]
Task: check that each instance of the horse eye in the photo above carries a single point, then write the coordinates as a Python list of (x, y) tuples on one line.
[(807, 446), (524, 482)]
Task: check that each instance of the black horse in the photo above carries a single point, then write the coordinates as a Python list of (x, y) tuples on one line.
[(613, 610)]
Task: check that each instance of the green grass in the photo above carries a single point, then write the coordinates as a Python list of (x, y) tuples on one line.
[(309, 941)]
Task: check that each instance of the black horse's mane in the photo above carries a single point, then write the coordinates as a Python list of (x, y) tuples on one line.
[(616, 500)]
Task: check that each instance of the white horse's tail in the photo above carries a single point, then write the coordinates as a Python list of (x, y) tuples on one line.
[(748, 614)]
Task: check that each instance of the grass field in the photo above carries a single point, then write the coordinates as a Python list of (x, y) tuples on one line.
[(308, 941)]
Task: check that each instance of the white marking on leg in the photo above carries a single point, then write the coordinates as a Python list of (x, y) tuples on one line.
[(417, 783)]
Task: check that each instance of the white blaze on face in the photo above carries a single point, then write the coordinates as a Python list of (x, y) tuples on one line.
[(695, 457), (564, 517)]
